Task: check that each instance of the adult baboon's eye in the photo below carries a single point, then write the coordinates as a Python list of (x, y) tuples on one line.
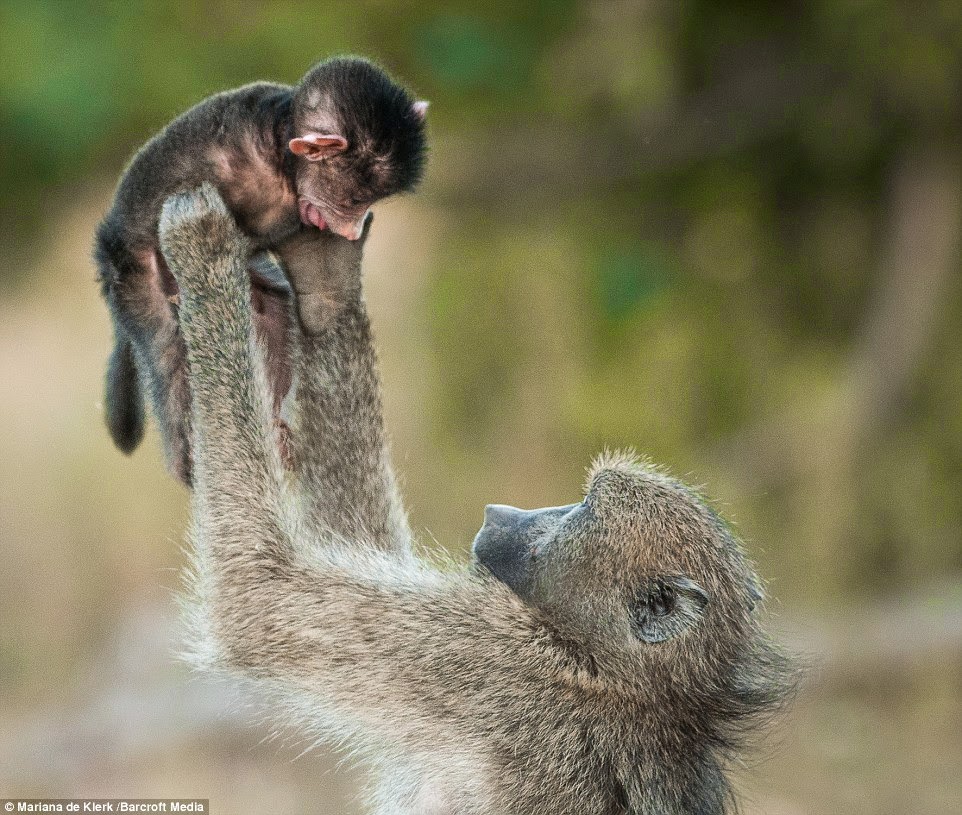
[(667, 606), (662, 600)]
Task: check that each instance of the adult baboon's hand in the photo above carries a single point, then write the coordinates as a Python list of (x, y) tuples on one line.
[(325, 272), (196, 233)]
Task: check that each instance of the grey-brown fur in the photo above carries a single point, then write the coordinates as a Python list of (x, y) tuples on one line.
[(467, 696), (239, 141), (346, 484)]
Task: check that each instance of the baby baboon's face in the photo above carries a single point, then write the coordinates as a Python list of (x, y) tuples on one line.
[(337, 191), (358, 138), (641, 556)]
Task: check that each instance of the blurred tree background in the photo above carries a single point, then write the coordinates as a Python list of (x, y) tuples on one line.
[(724, 234)]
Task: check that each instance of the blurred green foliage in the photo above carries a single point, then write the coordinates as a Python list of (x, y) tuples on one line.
[(666, 225)]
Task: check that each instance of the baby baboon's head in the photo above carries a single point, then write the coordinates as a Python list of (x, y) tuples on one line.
[(357, 137)]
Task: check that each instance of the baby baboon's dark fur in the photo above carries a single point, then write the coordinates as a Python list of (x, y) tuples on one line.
[(359, 137), (600, 658)]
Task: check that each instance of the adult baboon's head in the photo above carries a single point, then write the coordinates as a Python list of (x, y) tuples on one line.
[(643, 576)]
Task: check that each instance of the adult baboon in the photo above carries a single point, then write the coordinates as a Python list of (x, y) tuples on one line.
[(602, 657)]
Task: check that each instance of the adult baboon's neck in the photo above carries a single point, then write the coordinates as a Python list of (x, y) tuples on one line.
[(679, 779)]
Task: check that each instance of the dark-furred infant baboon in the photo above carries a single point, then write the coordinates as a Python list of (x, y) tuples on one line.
[(289, 162), (598, 658)]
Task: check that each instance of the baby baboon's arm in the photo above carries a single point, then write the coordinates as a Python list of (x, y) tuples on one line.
[(341, 455), (351, 626)]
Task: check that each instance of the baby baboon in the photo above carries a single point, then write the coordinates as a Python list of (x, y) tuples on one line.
[(602, 657), (289, 162)]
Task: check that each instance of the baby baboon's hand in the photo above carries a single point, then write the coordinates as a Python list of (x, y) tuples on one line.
[(199, 238)]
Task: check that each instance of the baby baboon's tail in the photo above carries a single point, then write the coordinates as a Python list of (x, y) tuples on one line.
[(124, 397)]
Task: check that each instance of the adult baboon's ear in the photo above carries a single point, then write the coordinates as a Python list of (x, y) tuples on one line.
[(667, 606), (756, 594)]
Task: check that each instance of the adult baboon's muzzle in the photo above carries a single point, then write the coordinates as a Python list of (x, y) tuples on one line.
[(504, 544)]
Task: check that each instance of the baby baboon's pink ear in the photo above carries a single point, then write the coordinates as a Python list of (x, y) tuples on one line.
[(420, 109), (318, 146)]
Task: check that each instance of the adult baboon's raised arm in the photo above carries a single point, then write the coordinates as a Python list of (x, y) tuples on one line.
[(341, 458), (601, 657)]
